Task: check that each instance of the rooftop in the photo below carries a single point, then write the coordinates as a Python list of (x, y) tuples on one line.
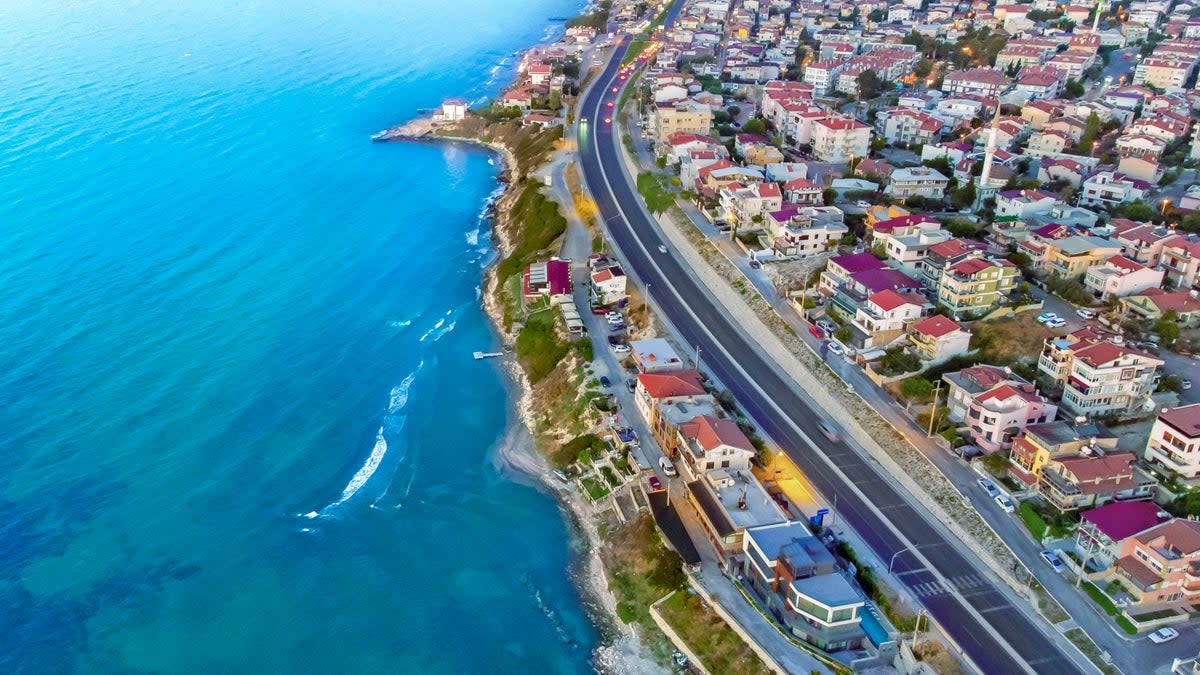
[(1119, 520), (831, 590), (734, 502)]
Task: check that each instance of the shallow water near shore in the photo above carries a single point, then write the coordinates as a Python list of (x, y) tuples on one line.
[(241, 428)]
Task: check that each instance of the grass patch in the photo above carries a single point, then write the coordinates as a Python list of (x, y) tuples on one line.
[(539, 349), (658, 198), (636, 47), (1090, 650), (536, 223), (1154, 616), (609, 476), (594, 488), (641, 569), (1009, 342), (579, 449), (1100, 598), (714, 643), (1033, 521)]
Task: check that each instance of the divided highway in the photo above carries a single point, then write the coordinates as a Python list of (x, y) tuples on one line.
[(997, 637)]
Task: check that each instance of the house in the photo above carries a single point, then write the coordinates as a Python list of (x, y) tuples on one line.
[(452, 110), (1036, 83), (1174, 442), (939, 256), (1040, 443), (963, 385), (907, 126), (1159, 565), (998, 415), (822, 75), (1142, 242), (710, 443), (983, 82), (1102, 529), (666, 389), (1153, 303), (550, 279), (918, 181), (761, 154), (803, 192), (849, 289), (882, 318), (745, 205), (1048, 143), (976, 285), (938, 338), (1098, 372), (609, 285), (1076, 473), (687, 117), (800, 231), (1119, 276), (1145, 169), (1180, 258), (728, 504), (796, 579), (907, 240), (654, 355), (1024, 203), (838, 139), (1107, 188), (1068, 171), (1072, 256)]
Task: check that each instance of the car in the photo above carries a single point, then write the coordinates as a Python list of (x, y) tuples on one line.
[(610, 315), (623, 76), (1086, 313), (1055, 323), (599, 311), (817, 332), (828, 429), (616, 89), (1163, 635), (607, 120), (1005, 503), (988, 487), (1046, 316), (662, 249), (1185, 385), (1125, 58), (613, 340), (836, 348), (610, 104), (826, 325), (604, 382), (862, 204), (621, 349), (667, 467), (754, 264), (655, 484), (1053, 560)]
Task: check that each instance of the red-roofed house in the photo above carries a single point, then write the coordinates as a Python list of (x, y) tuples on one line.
[(1073, 483), (1119, 276), (551, 279), (667, 392), (882, 318), (1152, 303), (711, 443), (1102, 529), (998, 415), (976, 284), (1098, 375), (1162, 564), (837, 139), (938, 338), (1174, 441)]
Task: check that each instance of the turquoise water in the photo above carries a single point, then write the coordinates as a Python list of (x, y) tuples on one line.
[(241, 429)]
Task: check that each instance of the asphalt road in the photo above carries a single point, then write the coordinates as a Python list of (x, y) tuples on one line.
[(996, 635)]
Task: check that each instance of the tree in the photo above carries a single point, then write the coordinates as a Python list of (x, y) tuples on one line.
[(877, 15), (869, 85), (916, 388), (1074, 89), (829, 196), (1135, 210), (896, 361), (1167, 327), (923, 68), (1020, 259), (1089, 133), (964, 196), (755, 126)]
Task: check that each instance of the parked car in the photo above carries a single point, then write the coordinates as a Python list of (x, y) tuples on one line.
[(862, 204), (826, 325), (754, 264), (1185, 385), (816, 332), (828, 429), (988, 487), (1046, 316), (1163, 635), (667, 467), (1052, 559), (599, 311), (655, 484), (662, 249), (610, 315), (836, 348), (604, 382), (1086, 313), (621, 349), (1055, 323), (1005, 503), (613, 340)]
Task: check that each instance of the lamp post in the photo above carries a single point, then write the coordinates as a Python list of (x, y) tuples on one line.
[(893, 560), (1165, 203)]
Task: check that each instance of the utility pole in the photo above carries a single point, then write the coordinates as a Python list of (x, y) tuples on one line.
[(917, 628), (933, 411), (647, 300), (697, 358), (832, 512)]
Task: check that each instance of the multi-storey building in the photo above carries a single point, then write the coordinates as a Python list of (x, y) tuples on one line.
[(838, 139), (1099, 374), (1119, 276), (976, 285), (1107, 188), (1174, 441)]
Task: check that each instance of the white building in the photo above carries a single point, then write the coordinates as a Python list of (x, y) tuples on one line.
[(1175, 441), (837, 139)]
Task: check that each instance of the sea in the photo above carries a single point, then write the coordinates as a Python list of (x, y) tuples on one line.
[(241, 426)]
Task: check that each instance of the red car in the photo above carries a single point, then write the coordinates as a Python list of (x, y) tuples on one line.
[(610, 104), (816, 332), (655, 484)]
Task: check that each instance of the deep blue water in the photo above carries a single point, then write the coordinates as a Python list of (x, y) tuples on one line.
[(215, 295)]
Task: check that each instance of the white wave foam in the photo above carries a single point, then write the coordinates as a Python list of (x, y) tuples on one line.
[(441, 328), (398, 397), (368, 468), (473, 237), (400, 324)]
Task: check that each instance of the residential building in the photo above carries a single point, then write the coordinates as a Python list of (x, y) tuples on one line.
[(746, 205), (1174, 441), (609, 285), (984, 82), (1180, 258), (1107, 188), (1024, 203), (1102, 529), (919, 181), (707, 443), (837, 139), (939, 256), (976, 285), (883, 317), (1119, 276), (796, 578), (1098, 372), (1153, 303), (549, 279), (937, 338), (822, 75), (907, 126), (1161, 566), (1073, 473), (998, 415), (801, 231), (654, 355), (1071, 256), (963, 385), (687, 117), (728, 503)]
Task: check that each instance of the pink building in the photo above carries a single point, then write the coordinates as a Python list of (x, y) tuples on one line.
[(995, 417)]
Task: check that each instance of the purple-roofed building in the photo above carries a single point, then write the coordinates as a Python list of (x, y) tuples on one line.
[(1102, 529)]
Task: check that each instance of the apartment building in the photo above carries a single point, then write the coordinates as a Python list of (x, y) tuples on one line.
[(985, 82), (918, 181), (838, 139), (998, 415), (1174, 441), (883, 317), (1119, 276), (907, 126), (688, 117), (976, 285), (1161, 565), (1099, 374)]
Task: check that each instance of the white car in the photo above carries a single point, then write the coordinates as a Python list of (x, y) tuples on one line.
[(1185, 385), (1163, 635), (1052, 559), (836, 348), (662, 249), (1005, 503), (863, 205), (621, 349), (612, 315), (1055, 323), (988, 487), (1086, 313), (1046, 317)]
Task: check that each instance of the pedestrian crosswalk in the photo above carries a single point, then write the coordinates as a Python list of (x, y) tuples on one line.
[(959, 584)]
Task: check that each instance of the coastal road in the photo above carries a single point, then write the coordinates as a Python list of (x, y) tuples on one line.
[(995, 634)]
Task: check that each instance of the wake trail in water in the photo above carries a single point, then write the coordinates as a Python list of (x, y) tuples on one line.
[(443, 326)]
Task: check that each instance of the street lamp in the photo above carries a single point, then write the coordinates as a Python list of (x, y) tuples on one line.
[(1165, 202), (893, 560)]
